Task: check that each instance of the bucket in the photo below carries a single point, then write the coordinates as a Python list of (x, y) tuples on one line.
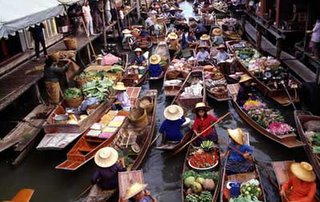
[(138, 117), (70, 43), (74, 102), (146, 103)]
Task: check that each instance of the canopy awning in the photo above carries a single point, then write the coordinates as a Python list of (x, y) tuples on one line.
[(16, 15)]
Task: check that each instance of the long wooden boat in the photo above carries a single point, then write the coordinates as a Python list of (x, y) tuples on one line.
[(239, 178), (301, 117), (24, 195), (283, 174), (289, 140), (216, 85), (171, 87), (173, 146)]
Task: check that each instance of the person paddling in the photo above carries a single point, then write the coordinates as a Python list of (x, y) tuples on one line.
[(245, 89), (137, 193)]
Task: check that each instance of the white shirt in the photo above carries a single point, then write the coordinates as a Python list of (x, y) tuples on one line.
[(108, 5), (86, 12), (316, 33), (124, 99), (149, 22), (202, 56), (222, 56)]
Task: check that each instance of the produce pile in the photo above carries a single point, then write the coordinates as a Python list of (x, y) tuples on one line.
[(314, 139), (194, 90), (215, 82), (181, 69), (206, 157), (250, 192), (269, 119)]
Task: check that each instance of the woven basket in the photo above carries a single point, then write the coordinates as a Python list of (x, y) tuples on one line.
[(55, 56), (70, 43), (74, 102), (173, 74), (184, 74), (146, 103), (138, 117)]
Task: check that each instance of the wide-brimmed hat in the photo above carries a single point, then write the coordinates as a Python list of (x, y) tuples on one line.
[(172, 35), (138, 50), (303, 171), (205, 37), (136, 30), (119, 86), (237, 135), (216, 32), (134, 189), (221, 46), (126, 31), (200, 106), (106, 157), (244, 78), (203, 46), (172, 8), (173, 112), (155, 59)]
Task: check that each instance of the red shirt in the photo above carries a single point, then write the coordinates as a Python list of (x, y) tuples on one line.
[(300, 191), (201, 124)]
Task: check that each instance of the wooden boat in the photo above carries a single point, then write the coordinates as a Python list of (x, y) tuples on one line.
[(301, 117), (24, 195), (163, 50), (173, 146), (239, 178), (283, 173), (289, 140), (159, 33), (216, 85), (172, 86), (86, 147)]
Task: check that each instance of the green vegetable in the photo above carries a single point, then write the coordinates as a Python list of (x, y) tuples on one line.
[(116, 68), (189, 181), (207, 145), (189, 173), (71, 93), (210, 175), (196, 187)]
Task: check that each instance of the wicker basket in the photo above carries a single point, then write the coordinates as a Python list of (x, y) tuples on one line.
[(146, 103), (138, 117), (74, 102), (55, 56), (173, 74), (184, 74), (70, 43)]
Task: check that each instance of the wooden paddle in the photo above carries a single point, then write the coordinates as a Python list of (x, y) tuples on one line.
[(198, 135), (155, 139)]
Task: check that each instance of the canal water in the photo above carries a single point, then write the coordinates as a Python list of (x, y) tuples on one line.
[(163, 174)]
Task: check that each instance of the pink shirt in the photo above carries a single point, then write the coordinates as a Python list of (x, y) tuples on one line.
[(86, 12), (124, 99)]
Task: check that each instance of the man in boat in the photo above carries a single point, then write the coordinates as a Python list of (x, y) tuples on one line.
[(222, 54), (191, 39), (239, 159), (170, 127), (137, 193), (174, 46), (202, 55), (205, 40), (123, 100), (202, 124), (302, 185), (106, 175), (217, 36), (155, 68), (138, 59), (245, 90)]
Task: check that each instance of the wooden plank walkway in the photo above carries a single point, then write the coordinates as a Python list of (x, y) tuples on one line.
[(294, 64)]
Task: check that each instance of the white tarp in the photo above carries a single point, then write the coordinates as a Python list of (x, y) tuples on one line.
[(16, 15)]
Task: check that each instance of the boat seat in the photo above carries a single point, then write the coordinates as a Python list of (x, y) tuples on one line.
[(85, 149), (24, 195)]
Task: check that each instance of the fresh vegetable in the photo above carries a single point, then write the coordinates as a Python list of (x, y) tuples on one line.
[(251, 188), (196, 187), (72, 93), (242, 198), (192, 198), (189, 173), (205, 196), (201, 159), (99, 89), (207, 145), (210, 175), (200, 180), (208, 184), (189, 181)]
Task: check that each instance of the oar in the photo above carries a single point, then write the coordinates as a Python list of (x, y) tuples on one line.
[(288, 94), (155, 139), (181, 148), (84, 192)]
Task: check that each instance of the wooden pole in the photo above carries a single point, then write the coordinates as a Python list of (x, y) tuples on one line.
[(279, 46), (104, 25)]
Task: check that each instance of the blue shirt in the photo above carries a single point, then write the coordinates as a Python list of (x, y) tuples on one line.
[(234, 156), (155, 70), (172, 129), (138, 60)]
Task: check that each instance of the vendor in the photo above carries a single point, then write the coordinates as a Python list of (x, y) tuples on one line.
[(205, 40), (52, 75), (137, 193), (106, 175), (138, 59), (245, 90), (170, 127), (155, 68), (202, 55), (123, 100), (217, 38), (302, 185), (174, 46), (191, 39), (222, 54), (202, 124), (239, 159)]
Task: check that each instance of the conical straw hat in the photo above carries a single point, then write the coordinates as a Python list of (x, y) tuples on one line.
[(119, 86), (303, 171), (106, 157), (237, 135), (199, 106), (155, 59), (173, 112), (244, 78), (134, 189)]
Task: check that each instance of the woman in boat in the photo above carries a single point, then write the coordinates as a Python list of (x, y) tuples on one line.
[(106, 175), (222, 54), (174, 46), (202, 124), (137, 193), (239, 159), (217, 36), (245, 90), (302, 185), (170, 127), (123, 101), (191, 39), (155, 68), (205, 40), (202, 55), (138, 59)]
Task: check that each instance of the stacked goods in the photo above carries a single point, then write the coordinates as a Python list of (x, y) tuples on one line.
[(73, 97), (250, 191), (216, 83), (194, 90)]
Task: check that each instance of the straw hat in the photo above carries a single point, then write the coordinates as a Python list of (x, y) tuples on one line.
[(303, 171), (119, 86), (126, 31), (106, 157), (172, 8), (244, 78), (216, 32), (199, 106), (237, 135), (205, 37), (173, 112), (134, 189), (221, 46), (172, 35), (138, 50), (155, 59), (136, 30)]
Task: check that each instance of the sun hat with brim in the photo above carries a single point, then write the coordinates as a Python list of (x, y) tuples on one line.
[(216, 32), (172, 35), (200, 106), (155, 59), (106, 157), (245, 78), (205, 37), (126, 31), (303, 171), (221, 46), (134, 189), (237, 135), (119, 86), (172, 8), (138, 50), (173, 112)]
